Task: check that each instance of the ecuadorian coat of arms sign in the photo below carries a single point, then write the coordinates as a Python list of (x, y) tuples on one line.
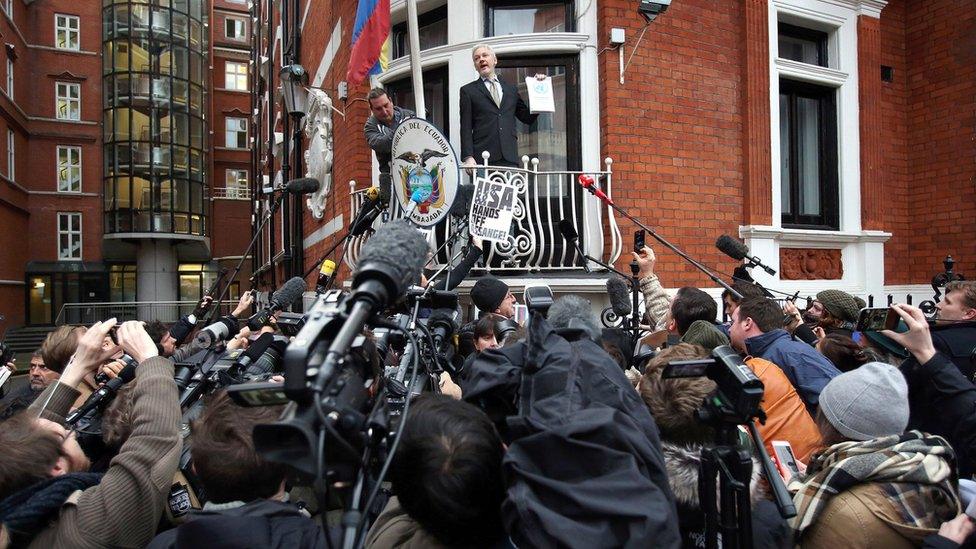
[(425, 169)]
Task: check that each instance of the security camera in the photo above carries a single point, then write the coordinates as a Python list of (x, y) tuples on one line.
[(650, 10)]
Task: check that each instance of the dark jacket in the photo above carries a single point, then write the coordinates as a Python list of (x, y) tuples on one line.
[(958, 342), (488, 127), (584, 467), (259, 524), (808, 370), (943, 402), (379, 136), (124, 508)]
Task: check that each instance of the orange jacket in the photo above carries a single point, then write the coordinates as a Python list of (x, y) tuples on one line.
[(786, 415)]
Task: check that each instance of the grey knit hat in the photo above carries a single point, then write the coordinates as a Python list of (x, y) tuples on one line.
[(867, 403)]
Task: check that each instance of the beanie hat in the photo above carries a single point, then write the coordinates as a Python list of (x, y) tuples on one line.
[(704, 333), (867, 403), (488, 293), (840, 304)]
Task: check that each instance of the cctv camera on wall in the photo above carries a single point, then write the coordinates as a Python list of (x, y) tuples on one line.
[(650, 10)]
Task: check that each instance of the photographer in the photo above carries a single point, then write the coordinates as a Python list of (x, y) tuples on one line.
[(942, 401), (171, 347), (246, 504), (49, 499), (447, 480)]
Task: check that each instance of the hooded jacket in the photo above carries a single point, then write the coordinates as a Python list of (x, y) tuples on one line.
[(683, 463), (584, 466), (807, 369), (261, 523)]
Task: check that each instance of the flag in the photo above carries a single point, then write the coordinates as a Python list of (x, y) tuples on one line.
[(370, 40)]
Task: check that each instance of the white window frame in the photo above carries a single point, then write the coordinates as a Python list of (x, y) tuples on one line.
[(68, 100), (10, 78), (8, 8), (241, 23), (74, 236), (232, 143), (68, 31), (11, 155), (235, 183), (234, 72), (64, 170)]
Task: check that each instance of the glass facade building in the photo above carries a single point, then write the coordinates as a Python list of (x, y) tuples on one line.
[(155, 123)]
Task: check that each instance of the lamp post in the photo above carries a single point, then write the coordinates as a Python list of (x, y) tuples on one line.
[(293, 90)]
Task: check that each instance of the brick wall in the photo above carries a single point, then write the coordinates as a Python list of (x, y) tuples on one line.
[(940, 46), (674, 129)]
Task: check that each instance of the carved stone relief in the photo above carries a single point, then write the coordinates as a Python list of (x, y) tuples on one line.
[(318, 156), (810, 264)]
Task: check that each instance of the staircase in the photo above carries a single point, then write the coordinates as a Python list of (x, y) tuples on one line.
[(27, 339)]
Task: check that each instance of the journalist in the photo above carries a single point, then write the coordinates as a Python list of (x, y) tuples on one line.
[(171, 347), (40, 376), (246, 500), (49, 498)]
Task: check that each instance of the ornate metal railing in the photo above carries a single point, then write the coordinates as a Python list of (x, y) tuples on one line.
[(232, 193), (544, 198), (164, 311)]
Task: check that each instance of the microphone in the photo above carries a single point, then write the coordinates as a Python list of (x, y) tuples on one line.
[(574, 312), (390, 261), (100, 398), (218, 331), (587, 183), (443, 323), (416, 198), (254, 351), (568, 231), (620, 298), (462, 200), (368, 212), (289, 292), (325, 276), (303, 185), (739, 251)]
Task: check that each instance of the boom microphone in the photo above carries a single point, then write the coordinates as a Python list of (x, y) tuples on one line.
[(620, 296), (100, 398), (303, 185), (289, 292), (389, 262), (568, 231), (218, 331), (739, 251)]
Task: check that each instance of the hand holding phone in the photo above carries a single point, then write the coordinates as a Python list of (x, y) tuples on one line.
[(785, 460), (873, 319), (639, 237)]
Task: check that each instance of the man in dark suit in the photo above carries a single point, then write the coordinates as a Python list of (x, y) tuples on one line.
[(489, 108)]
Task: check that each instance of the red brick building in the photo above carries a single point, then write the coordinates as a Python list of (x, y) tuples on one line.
[(834, 137), (114, 164)]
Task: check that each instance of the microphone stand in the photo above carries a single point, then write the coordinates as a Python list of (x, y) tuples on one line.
[(606, 200), (257, 234)]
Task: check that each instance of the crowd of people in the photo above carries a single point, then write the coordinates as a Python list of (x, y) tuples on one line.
[(545, 434)]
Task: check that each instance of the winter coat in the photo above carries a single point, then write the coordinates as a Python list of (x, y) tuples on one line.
[(807, 369), (395, 528), (863, 517), (656, 302), (683, 462), (584, 466), (261, 523), (958, 342), (943, 402), (786, 416)]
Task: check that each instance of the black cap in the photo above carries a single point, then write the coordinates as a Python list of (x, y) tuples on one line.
[(488, 293)]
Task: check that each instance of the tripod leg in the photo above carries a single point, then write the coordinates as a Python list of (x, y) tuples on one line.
[(743, 474), (706, 496)]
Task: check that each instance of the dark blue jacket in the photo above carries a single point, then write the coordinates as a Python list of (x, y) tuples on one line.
[(807, 369)]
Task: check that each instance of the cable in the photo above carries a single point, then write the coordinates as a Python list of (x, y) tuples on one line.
[(634, 50), (396, 440)]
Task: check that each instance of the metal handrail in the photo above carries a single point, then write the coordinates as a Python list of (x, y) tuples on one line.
[(536, 244), (164, 311)]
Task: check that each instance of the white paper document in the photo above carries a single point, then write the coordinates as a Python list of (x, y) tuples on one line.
[(540, 95)]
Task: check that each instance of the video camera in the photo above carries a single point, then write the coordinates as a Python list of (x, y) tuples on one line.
[(739, 390)]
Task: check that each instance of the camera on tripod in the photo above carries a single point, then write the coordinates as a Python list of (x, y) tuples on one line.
[(739, 390)]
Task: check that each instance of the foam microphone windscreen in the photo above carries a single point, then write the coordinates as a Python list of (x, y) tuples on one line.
[(572, 311), (288, 293), (732, 247), (303, 185), (620, 297), (568, 231), (394, 255)]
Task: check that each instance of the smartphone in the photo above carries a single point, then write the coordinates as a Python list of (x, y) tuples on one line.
[(876, 319), (639, 236), (785, 460)]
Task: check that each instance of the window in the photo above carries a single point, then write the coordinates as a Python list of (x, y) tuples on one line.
[(235, 182), (432, 32), (66, 32), (10, 78), (236, 133), (808, 155), (68, 101), (435, 96), (69, 236), (122, 282), (804, 45), (11, 155), (69, 169), (505, 17), (235, 76), (234, 28)]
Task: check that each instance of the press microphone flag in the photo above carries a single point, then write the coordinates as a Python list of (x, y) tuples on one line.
[(586, 181)]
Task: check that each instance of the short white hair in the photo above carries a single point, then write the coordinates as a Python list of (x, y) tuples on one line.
[(480, 46)]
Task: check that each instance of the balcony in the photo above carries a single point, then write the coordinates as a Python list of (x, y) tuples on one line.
[(535, 245), (231, 193)]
